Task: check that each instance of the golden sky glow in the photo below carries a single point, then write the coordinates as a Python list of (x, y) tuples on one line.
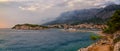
[(2, 25), (3, 0)]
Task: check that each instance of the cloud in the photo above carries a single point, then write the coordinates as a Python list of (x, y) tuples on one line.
[(42, 5), (29, 8), (35, 6), (41, 11), (13, 0)]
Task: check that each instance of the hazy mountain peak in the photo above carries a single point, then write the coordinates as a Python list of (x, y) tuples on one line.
[(85, 14)]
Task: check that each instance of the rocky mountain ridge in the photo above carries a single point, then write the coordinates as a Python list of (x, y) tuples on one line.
[(93, 15)]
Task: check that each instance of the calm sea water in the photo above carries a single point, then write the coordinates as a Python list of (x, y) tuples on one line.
[(43, 40)]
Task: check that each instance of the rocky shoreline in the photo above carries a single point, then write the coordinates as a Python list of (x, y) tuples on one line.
[(111, 39), (107, 43), (79, 26)]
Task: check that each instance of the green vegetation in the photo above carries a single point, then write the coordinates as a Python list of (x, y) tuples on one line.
[(93, 20), (95, 37), (35, 25), (30, 25), (113, 23)]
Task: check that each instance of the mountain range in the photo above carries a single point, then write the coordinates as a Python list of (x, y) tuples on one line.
[(92, 15)]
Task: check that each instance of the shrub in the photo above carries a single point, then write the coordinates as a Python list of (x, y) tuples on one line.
[(113, 23), (95, 37)]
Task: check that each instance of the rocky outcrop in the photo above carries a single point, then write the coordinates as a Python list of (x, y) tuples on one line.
[(29, 27), (101, 45), (117, 46), (107, 43), (117, 41)]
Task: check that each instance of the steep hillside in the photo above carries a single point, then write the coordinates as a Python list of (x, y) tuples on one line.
[(108, 11), (94, 15), (110, 40)]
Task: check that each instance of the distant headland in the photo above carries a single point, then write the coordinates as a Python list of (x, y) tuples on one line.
[(29, 27), (58, 26)]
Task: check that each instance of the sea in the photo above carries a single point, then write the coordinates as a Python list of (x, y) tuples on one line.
[(43, 40)]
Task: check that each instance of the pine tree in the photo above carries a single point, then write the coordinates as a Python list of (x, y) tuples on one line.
[(113, 23)]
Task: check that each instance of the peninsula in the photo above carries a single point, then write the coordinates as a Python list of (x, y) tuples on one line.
[(29, 27)]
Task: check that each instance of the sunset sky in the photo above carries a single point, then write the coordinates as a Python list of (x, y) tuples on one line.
[(40, 11)]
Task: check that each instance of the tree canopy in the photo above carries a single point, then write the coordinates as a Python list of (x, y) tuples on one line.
[(113, 23)]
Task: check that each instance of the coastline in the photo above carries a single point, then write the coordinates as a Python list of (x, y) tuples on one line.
[(106, 43), (99, 32), (97, 44)]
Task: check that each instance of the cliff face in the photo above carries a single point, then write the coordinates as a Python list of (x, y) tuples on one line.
[(29, 27), (117, 46)]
